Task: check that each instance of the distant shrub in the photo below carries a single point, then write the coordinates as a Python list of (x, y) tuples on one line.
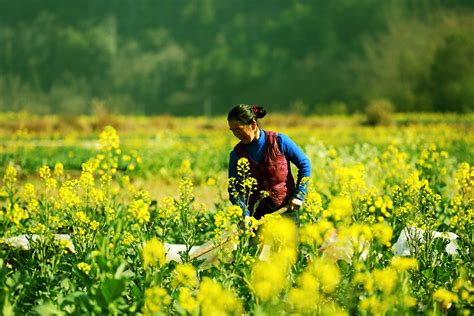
[(379, 112)]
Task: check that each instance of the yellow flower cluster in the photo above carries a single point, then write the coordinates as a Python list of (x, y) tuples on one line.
[(84, 267), (394, 164), (445, 298), (186, 190), (351, 179), (156, 300), (109, 139), (58, 170), (185, 275), (16, 214), (269, 277), (339, 209), (315, 285), (68, 198), (403, 264), (153, 253), (378, 208), (187, 301), (315, 234), (9, 178), (45, 175), (139, 209), (216, 300), (313, 205), (29, 196), (128, 238), (185, 169)]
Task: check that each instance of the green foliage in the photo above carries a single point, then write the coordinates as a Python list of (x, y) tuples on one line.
[(153, 57), (379, 112), (452, 75)]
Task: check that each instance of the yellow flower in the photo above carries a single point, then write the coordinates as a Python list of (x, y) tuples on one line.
[(185, 275), (155, 299), (16, 214), (211, 182), (45, 173), (94, 225), (153, 253), (340, 208), (333, 310), (303, 301), (68, 197), (216, 300), (365, 279), (187, 301), (109, 140), (404, 264), (87, 179), (279, 231), (445, 297), (84, 267), (9, 178), (327, 274), (268, 279), (383, 233), (374, 305), (82, 217), (385, 279), (59, 169), (313, 234), (128, 238), (64, 246), (186, 188), (185, 168), (37, 229), (409, 301), (126, 158), (139, 210)]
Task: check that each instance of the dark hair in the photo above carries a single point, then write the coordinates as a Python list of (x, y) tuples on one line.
[(246, 113)]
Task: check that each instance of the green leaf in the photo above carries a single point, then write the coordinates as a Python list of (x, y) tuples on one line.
[(7, 309), (112, 289), (48, 309), (122, 273)]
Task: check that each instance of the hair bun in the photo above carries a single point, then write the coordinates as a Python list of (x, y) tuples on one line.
[(259, 111)]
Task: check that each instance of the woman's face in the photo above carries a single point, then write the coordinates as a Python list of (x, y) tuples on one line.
[(245, 132)]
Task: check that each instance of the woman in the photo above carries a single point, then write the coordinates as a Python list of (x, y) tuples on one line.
[(269, 155)]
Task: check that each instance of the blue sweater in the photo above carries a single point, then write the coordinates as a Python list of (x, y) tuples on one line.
[(288, 148)]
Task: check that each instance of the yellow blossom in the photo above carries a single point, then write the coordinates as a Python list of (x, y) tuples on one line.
[(185, 275), (59, 169), (445, 297), (139, 210), (385, 280), (216, 300), (128, 238), (84, 267), (404, 264), (340, 208), (268, 279), (187, 301), (156, 299), (153, 253)]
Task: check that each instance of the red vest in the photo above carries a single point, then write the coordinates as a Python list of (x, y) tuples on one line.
[(273, 175)]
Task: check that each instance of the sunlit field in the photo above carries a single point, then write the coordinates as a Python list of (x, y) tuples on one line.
[(90, 207)]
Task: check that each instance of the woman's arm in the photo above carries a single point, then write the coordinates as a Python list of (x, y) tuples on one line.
[(296, 156)]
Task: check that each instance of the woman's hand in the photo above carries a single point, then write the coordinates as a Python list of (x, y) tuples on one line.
[(294, 205)]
